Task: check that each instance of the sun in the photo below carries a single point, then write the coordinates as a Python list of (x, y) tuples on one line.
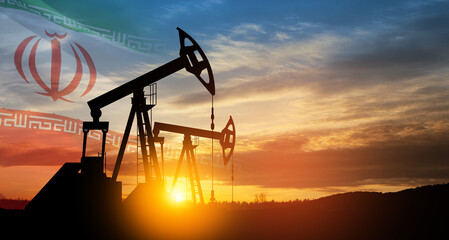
[(178, 197)]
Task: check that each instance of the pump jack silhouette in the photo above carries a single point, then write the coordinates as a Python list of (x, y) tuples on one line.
[(82, 191), (227, 141)]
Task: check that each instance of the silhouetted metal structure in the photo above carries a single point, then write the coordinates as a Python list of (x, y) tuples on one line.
[(83, 189), (188, 59), (227, 142)]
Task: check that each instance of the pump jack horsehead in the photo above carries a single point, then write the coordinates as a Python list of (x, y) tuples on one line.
[(227, 142)]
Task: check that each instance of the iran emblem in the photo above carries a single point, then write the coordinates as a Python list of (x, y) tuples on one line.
[(54, 90)]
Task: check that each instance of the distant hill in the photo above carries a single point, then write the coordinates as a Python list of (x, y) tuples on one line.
[(13, 204), (436, 194), (418, 213)]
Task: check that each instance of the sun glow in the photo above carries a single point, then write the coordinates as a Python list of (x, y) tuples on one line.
[(178, 197), (151, 212)]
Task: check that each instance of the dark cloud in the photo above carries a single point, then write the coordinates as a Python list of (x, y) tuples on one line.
[(408, 49), (392, 159), (428, 103), (270, 84), (395, 153), (395, 50)]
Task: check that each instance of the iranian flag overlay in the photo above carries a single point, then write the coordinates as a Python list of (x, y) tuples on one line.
[(51, 66), (326, 97)]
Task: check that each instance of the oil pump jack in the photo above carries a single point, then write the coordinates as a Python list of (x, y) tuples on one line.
[(84, 187), (227, 142), (188, 60)]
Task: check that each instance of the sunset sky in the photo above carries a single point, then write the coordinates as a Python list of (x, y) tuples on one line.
[(327, 96)]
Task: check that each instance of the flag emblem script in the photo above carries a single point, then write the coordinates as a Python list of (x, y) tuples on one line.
[(54, 90)]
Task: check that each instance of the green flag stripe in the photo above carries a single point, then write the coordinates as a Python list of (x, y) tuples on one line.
[(144, 45)]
